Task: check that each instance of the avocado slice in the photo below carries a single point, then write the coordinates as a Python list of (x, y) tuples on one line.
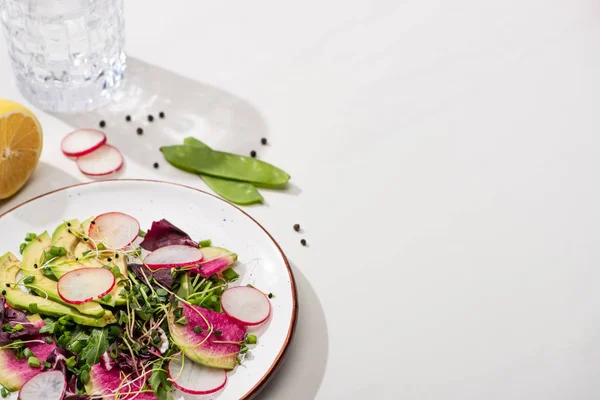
[(9, 266), (45, 286)]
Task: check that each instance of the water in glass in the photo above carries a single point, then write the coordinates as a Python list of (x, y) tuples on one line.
[(67, 55)]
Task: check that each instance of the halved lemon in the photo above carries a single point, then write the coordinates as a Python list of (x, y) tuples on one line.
[(20, 146)]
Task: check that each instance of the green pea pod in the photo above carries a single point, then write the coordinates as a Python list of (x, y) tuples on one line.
[(225, 165), (237, 192)]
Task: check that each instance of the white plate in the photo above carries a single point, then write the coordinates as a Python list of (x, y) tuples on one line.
[(202, 216)]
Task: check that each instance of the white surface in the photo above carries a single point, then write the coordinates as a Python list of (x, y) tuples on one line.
[(260, 262), (456, 142)]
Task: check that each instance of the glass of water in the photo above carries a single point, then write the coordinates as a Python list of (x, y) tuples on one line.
[(67, 55)]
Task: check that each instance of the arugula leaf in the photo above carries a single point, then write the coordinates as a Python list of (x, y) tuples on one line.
[(159, 381), (95, 347)]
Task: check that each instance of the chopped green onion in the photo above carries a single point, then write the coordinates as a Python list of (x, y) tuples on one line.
[(230, 275), (48, 340), (142, 234), (22, 247), (205, 243), (251, 339), (4, 392), (27, 353), (71, 362), (106, 299), (182, 321), (18, 327), (46, 364), (33, 307), (101, 246), (84, 377), (33, 362), (30, 236)]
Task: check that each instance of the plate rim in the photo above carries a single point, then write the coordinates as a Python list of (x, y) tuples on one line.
[(292, 327)]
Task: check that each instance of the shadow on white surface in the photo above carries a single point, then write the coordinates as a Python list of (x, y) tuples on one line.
[(221, 119), (301, 374), (45, 179)]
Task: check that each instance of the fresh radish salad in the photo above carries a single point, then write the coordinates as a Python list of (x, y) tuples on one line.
[(102, 309)]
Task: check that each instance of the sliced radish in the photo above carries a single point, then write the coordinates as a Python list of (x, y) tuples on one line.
[(82, 141), (115, 230), (194, 378), (103, 161), (85, 284), (246, 305), (176, 255), (45, 386)]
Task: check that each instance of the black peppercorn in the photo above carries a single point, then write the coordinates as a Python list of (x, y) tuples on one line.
[(150, 117), (161, 114), (303, 242), (102, 124), (128, 118), (253, 154), (155, 165), (263, 140), (140, 131)]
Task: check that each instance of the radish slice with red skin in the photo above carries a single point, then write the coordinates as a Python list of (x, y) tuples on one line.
[(81, 142), (195, 378), (172, 256), (86, 284), (45, 386), (116, 230), (246, 305), (105, 160)]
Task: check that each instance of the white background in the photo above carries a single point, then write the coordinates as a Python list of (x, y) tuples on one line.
[(444, 160)]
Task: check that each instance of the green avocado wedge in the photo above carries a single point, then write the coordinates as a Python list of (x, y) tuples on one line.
[(45, 286), (225, 165), (9, 266), (241, 193)]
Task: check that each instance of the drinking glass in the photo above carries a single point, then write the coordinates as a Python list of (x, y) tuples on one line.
[(67, 55)]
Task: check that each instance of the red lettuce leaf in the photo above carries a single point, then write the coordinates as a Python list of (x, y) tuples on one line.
[(163, 233)]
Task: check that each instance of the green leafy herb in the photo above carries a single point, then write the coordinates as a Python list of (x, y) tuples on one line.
[(230, 275), (95, 347)]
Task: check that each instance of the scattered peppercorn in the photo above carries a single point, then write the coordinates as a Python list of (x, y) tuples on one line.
[(140, 131), (4, 293), (178, 267), (8, 285), (263, 140), (297, 227), (128, 118), (102, 124), (161, 114), (76, 258), (253, 154), (150, 117), (85, 239), (117, 255), (68, 230), (270, 295), (93, 222), (35, 265), (68, 224), (303, 241), (155, 165), (109, 259)]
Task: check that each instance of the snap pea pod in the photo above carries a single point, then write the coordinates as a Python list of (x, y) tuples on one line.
[(225, 165), (237, 192)]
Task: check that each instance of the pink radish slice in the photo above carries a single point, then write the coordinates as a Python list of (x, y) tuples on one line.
[(103, 161), (195, 378), (115, 230), (85, 284), (176, 255), (246, 305), (45, 386), (81, 142)]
